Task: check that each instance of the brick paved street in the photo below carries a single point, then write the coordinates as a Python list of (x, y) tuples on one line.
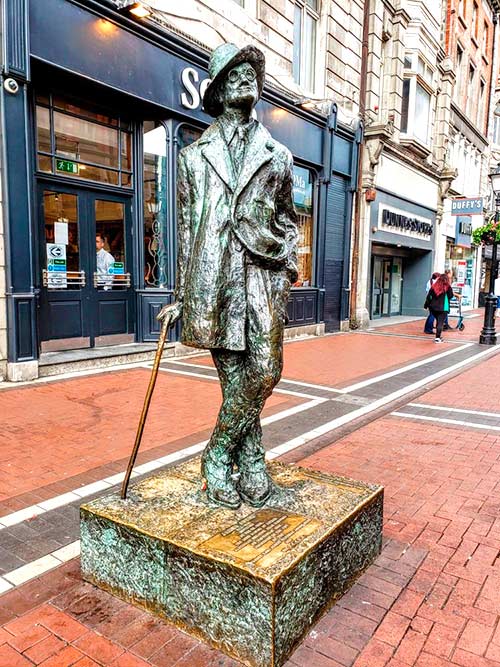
[(387, 406)]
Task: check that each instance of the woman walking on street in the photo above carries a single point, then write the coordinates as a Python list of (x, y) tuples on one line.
[(438, 302)]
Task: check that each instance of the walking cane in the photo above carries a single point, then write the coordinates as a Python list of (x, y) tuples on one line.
[(152, 381)]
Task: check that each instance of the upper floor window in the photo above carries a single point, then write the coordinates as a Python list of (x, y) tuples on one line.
[(305, 30), (481, 105), (461, 8), (471, 101), (474, 27), (416, 98), (77, 141), (496, 130), (485, 37), (459, 67)]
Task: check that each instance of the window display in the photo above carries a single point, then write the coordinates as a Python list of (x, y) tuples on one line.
[(303, 201)]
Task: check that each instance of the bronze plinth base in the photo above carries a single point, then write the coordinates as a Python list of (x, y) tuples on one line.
[(250, 582)]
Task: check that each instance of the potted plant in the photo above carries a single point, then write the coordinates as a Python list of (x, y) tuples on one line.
[(488, 234)]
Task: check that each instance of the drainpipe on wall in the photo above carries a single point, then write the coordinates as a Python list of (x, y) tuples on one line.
[(357, 199)]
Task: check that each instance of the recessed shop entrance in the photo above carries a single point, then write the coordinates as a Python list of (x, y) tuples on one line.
[(387, 283), (86, 297)]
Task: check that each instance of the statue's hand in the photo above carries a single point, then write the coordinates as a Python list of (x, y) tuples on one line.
[(292, 273), (172, 312)]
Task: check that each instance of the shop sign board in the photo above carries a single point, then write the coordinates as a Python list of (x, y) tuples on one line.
[(463, 231), (472, 206), (194, 89), (401, 222)]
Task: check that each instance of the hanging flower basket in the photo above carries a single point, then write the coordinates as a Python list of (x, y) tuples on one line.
[(487, 234)]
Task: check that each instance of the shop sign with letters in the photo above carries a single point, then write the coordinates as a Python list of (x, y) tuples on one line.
[(472, 206)]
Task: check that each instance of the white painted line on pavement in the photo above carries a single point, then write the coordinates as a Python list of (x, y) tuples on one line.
[(92, 488), (67, 552), (283, 379), (59, 501), (20, 516), (216, 379), (444, 420), (41, 565), (366, 409), (313, 386), (403, 369), (5, 585), (445, 408), (72, 374), (34, 569), (81, 492), (31, 570)]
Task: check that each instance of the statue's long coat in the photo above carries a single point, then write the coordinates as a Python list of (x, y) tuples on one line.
[(226, 222)]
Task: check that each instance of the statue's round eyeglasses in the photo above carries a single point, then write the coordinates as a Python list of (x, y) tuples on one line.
[(249, 73)]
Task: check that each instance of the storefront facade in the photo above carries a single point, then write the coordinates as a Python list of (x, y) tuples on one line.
[(103, 106), (402, 244)]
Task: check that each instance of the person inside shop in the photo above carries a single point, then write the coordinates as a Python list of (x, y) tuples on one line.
[(104, 260), (438, 302), (429, 322)]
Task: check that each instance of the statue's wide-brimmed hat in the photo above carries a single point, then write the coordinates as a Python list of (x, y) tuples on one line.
[(222, 60)]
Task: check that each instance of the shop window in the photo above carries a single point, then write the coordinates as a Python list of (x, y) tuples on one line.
[(78, 142), (186, 135), (305, 28), (155, 209), (416, 100), (303, 200)]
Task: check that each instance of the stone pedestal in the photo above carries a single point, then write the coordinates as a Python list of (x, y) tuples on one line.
[(249, 582)]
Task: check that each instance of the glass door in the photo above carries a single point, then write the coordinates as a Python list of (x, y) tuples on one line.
[(86, 296), (377, 288), (112, 299), (396, 285), (386, 286)]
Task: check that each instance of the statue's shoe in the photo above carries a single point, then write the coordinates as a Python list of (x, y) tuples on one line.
[(255, 487), (225, 496)]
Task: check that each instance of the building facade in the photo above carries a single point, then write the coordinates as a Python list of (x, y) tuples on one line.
[(400, 169), (100, 103), (427, 108), (471, 43)]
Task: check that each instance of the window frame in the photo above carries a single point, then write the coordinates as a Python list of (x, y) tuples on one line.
[(427, 83), (116, 123), (300, 63)]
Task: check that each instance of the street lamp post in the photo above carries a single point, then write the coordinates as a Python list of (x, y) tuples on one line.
[(488, 334)]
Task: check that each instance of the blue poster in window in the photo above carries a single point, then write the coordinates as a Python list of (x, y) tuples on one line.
[(302, 188)]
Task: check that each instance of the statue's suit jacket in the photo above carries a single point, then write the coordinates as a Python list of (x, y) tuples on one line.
[(226, 222)]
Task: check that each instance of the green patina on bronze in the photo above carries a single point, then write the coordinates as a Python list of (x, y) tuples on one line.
[(250, 581), (236, 260)]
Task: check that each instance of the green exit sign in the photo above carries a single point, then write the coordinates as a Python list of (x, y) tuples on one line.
[(67, 166)]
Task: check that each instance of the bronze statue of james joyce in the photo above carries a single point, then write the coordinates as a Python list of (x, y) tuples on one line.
[(236, 261)]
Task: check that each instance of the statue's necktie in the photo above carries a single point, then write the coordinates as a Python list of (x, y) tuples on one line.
[(238, 148)]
